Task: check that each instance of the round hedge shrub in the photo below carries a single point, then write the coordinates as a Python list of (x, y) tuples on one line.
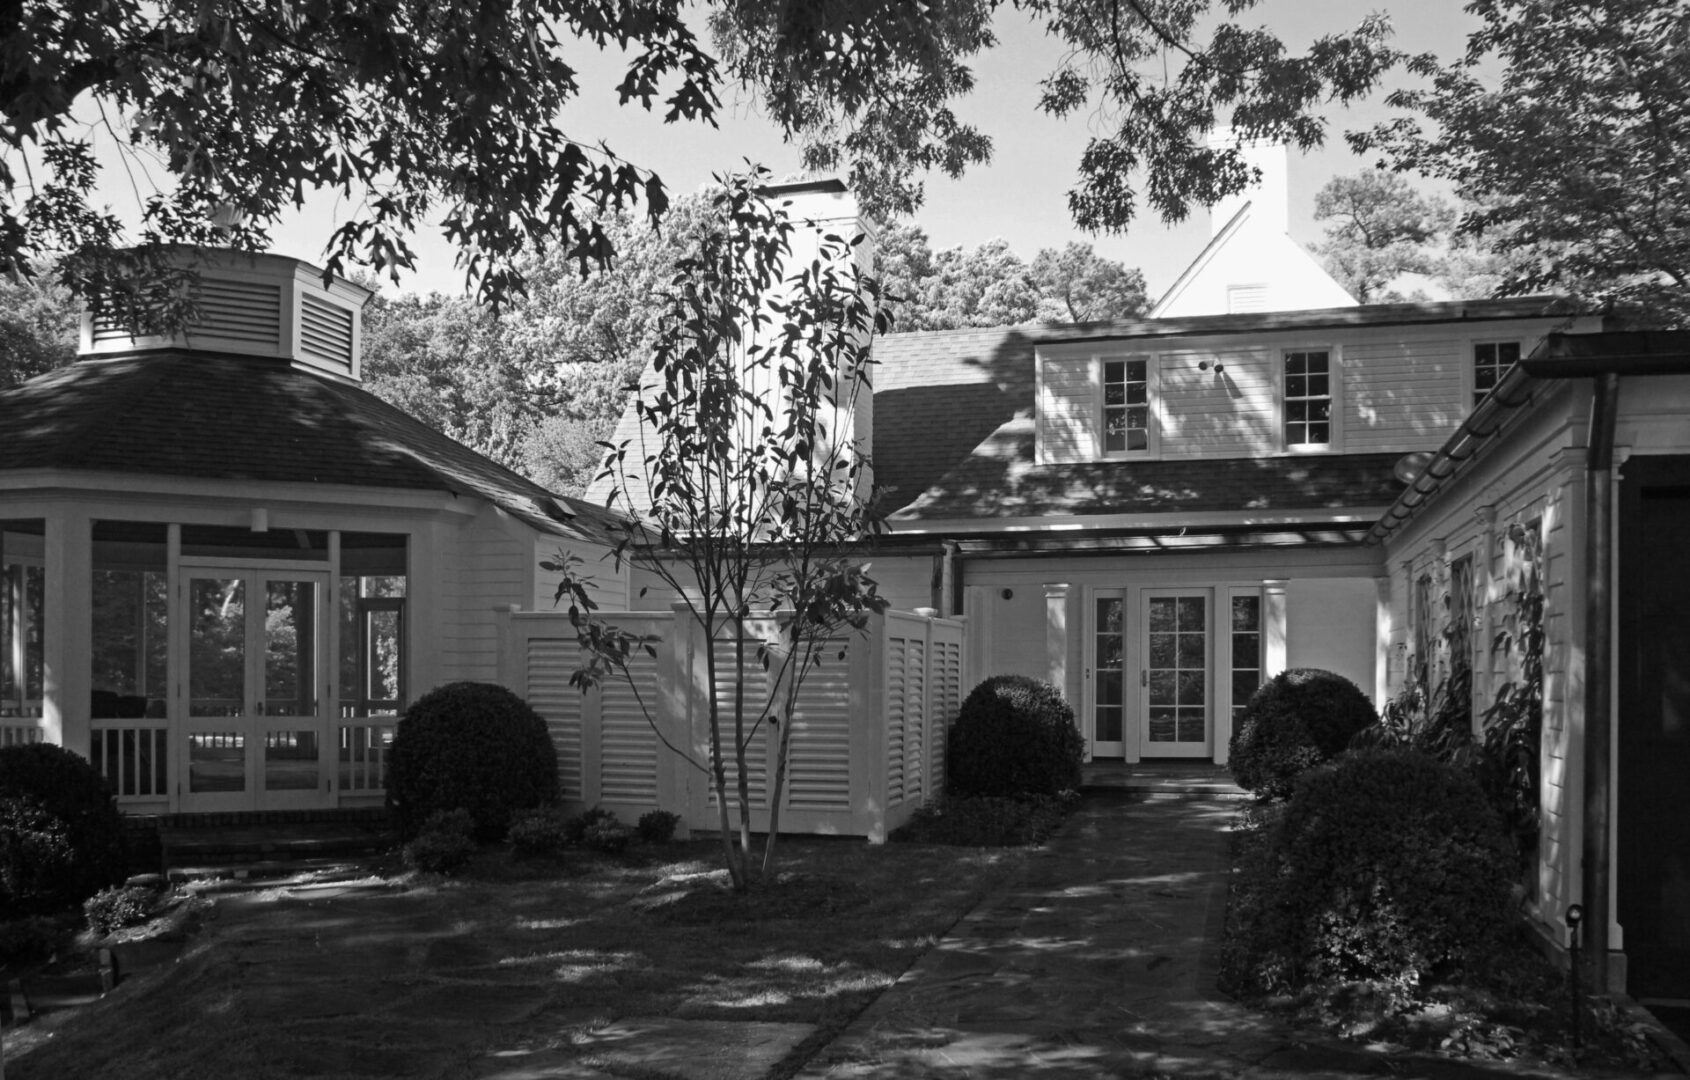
[(61, 837), (470, 746), (1386, 865), (1014, 736), (1294, 721)]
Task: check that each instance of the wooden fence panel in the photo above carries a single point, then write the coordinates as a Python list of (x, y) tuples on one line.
[(869, 727)]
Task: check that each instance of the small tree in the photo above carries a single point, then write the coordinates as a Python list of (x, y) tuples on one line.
[(747, 479)]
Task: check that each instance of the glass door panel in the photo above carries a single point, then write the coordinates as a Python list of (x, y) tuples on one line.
[(290, 719), (1108, 676), (217, 730), (1175, 678)]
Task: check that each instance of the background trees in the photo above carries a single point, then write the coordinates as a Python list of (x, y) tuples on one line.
[(1379, 228), (1567, 123)]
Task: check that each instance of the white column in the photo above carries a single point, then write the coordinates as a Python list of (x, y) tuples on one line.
[(1056, 637), (67, 635), (1273, 628)]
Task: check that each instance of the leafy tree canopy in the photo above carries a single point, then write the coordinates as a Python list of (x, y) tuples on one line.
[(1568, 123), (38, 328), (1379, 228), (990, 285), (413, 111)]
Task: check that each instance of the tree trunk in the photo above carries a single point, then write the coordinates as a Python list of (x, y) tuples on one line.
[(718, 767)]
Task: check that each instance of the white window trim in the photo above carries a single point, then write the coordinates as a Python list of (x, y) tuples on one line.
[(1152, 401), (1470, 365), (1335, 386)]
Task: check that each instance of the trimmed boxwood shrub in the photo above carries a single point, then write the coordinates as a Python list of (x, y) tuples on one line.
[(1295, 721), (1015, 735), (444, 844), (61, 837), (1385, 866), (471, 746)]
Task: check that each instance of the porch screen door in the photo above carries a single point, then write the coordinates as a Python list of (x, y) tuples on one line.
[(253, 733), (1175, 681)]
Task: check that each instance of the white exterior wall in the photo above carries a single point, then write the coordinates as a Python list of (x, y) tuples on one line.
[(1329, 624), (1044, 627), (1536, 478), (1398, 389), (489, 563), (904, 581), (1278, 274), (608, 585)]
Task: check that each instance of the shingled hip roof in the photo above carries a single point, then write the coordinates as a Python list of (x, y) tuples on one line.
[(242, 419)]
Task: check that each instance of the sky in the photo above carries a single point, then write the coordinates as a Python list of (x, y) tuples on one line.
[(1021, 195)]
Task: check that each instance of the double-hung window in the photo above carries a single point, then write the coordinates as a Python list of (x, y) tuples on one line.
[(1126, 406), (1491, 361), (1308, 399)]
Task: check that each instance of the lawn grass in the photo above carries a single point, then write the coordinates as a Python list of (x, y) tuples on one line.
[(427, 976)]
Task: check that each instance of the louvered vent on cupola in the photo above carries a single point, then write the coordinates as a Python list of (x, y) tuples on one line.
[(257, 305)]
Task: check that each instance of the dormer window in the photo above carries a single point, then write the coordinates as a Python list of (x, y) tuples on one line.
[(1491, 361), (1126, 406), (1308, 400)]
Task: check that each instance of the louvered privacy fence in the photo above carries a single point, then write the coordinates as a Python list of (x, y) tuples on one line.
[(868, 739)]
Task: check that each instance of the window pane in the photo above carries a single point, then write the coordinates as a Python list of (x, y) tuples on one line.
[(216, 647), (1191, 613), (290, 621)]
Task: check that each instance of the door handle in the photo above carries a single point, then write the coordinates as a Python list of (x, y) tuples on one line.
[(1143, 677)]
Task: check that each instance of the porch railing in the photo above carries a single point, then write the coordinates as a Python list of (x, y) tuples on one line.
[(364, 745), (19, 731), (132, 756)]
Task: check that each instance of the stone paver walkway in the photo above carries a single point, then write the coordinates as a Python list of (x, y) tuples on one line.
[(1100, 963)]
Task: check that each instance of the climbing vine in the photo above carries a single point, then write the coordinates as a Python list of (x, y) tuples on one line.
[(1512, 735), (1438, 719)]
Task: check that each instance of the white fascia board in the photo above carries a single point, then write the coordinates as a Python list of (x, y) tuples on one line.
[(1075, 523), (60, 484)]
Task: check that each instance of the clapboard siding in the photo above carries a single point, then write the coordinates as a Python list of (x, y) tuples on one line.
[(1402, 395), (1067, 410), (485, 567), (1398, 388)]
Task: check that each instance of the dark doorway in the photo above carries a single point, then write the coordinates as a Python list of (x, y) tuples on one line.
[(1653, 864)]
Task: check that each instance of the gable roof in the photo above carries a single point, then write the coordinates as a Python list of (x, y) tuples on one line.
[(1241, 253), (241, 419)]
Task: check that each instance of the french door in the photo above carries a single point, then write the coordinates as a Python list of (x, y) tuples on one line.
[(1151, 664), (1175, 682), (255, 691)]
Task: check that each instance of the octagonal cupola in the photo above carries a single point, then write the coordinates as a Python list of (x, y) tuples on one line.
[(258, 305)]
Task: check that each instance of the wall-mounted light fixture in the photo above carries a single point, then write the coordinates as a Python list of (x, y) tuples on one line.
[(1205, 365), (260, 519), (1009, 594)]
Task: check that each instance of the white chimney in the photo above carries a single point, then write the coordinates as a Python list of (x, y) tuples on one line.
[(1269, 198), (820, 208)]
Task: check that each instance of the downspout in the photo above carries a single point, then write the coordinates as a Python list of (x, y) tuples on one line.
[(1598, 672), (950, 588)]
